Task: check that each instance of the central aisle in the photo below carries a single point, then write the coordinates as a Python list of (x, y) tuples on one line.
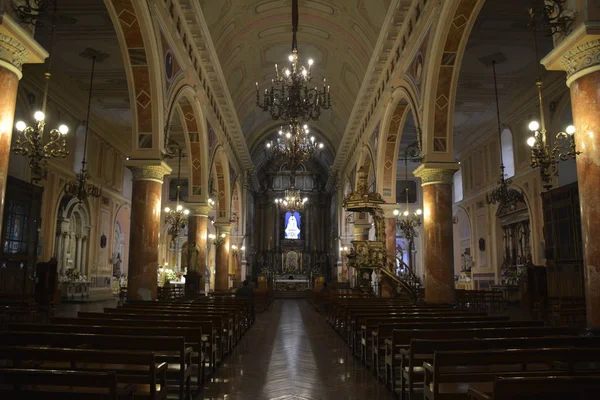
[(291, 353)]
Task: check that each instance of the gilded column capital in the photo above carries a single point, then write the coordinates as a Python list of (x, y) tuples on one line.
[(13, 54), (581, 60), (436, 174), (148, 171), (223, 227)]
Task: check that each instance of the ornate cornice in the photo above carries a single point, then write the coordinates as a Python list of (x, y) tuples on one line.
[(13, 52), (154, 173), (580, 57), (431, 176)]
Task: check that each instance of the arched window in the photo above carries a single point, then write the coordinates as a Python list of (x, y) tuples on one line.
[(458, 186), (508, 154)]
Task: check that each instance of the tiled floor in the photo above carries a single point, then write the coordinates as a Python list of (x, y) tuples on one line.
[(291, 353)]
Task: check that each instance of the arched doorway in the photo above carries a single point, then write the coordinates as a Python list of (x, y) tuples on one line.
[(73, 232)]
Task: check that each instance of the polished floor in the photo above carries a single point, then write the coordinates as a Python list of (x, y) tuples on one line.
[(291, 353)]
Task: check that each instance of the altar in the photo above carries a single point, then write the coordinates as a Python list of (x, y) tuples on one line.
[(292, 282)]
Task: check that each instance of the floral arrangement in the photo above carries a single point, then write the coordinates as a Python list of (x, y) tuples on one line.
[(72, 275)]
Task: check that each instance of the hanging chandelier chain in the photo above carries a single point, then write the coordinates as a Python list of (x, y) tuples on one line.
[(87, 118), (546, 154)]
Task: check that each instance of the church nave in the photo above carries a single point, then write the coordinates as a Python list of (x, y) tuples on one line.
[(291, 353)]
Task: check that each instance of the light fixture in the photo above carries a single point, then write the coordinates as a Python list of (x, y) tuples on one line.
[(177, 218), (80, 188), (296, 145), (554, 16), (211, 202), (405, 221), (292, 200), (502, 194), (30, 141), (290, 98), (545, 155)]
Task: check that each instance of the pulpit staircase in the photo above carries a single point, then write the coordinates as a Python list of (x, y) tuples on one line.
[(407, 285)]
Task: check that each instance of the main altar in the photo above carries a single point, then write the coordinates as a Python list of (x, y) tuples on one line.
[(292, 282)]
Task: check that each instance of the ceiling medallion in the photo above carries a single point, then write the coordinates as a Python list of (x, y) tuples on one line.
[(290, 98)]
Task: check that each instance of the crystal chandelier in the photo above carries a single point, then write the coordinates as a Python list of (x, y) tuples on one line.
[(290, 98), (296, 145), (405, 221), (80, 188), (177, 218), (30, 140), (292, 199), (544, 155), (502, 194)]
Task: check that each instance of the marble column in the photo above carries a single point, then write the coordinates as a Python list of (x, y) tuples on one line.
[(438, 239), (9, 82), (579, 56), (222, 256), (145, 230), (198, 234), (17, 47)]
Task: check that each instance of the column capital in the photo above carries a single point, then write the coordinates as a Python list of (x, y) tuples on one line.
[(148, 170), (17, 46), (578, 54), (436, 173), (199, 209), (223, 227)]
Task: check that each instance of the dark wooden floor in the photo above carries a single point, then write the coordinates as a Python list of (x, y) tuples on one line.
[(291, 353)]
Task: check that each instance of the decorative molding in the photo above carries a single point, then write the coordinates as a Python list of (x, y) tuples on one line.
[(154, 173), (581, 57)]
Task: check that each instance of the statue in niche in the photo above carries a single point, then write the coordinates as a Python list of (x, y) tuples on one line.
[(292, 228), (117, 262)]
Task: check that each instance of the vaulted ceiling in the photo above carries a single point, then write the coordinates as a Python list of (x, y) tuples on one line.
[(250, 36)]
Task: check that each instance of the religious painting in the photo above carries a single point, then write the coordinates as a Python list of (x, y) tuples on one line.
[(292, 225)]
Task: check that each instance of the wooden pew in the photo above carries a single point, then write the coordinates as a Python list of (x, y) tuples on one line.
[(401, 338), (138, 368), (220, 320), (209, 334), (452, 372), (33, 384), (171, 349), (179, 372), (241, 318), (541, 388), (356, 321), (383, 335), (422, 350), (371, 323)]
